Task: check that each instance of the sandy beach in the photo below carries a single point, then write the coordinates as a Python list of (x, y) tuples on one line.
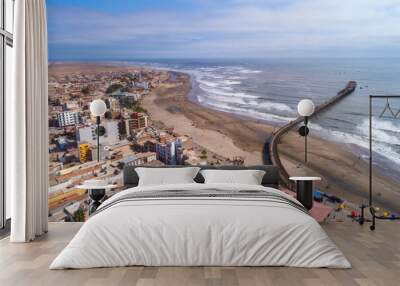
[(343, 173)]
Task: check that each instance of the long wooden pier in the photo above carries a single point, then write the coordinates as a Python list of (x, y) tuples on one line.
[(275, 139)]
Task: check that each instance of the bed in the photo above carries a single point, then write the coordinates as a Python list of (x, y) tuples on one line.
[(198, 224)]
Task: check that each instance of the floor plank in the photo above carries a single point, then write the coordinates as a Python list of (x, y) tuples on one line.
[(375, 257)]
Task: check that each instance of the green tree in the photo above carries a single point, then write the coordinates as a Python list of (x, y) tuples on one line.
[(113, 88), (79, 215)]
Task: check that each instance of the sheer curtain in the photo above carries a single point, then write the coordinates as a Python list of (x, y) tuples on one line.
[(27, 124)]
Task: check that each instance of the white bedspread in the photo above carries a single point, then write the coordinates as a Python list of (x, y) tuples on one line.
[(200, 231)]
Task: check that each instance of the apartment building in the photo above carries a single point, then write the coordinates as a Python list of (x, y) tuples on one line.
[(68, 118), (135, 123)]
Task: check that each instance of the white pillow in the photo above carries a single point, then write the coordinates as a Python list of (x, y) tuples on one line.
[(247, 177), (166, 176)]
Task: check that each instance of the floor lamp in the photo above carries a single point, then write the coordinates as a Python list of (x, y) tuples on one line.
[(305, 108), (98, 107)]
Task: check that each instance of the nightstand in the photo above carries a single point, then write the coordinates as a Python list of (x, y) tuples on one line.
[(97, 191), (304, 190)]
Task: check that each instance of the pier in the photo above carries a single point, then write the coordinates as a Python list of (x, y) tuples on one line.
[(275, 138)]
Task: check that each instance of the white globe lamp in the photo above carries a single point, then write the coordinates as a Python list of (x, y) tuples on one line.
[(98, 107), (306, 107)]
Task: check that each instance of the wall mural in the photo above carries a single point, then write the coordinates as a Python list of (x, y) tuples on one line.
[(216, 112)]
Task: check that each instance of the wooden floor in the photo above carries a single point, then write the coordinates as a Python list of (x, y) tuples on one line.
[(375, 257)]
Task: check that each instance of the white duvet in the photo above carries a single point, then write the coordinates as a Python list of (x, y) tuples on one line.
[(200, 231)]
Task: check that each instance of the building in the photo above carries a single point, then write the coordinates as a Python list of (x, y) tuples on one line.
[(122, 129), (67, 158), (68, 118), (169, 151), (136, 122), (114, 104), (105, 153), (147, 145), (143, 84), (69, 105), (128, 99), (87, 133), (139, 159), (150, 146), (85, 153), (64, 143), (132, 96)]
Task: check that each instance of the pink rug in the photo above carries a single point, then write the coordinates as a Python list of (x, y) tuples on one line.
[(319, 211)]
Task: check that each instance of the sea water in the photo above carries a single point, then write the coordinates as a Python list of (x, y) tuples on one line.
[(270, 90)]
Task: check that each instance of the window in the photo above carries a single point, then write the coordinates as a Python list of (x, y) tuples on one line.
[(6, 60)]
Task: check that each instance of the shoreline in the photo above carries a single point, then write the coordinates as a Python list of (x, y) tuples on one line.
[(354, 149), (192, 98), (343, 173), (174, 109)]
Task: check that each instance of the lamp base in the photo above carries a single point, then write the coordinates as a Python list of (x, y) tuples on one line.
[(96, 195)]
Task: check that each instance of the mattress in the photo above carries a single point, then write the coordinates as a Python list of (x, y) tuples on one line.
[(201, 225)]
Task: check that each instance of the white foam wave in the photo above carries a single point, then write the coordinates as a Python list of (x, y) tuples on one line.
[(214, 76), (379, 123), (271, 106), (246, 112), (237, 77), (340, 136), (381, 147), (208, 83), (221, 98), (383, 131), (230, 82), (225, 84), (208, 69), (247, 71), (225, 93)]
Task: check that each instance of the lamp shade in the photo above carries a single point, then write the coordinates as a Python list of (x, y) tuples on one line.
[(98, 107), (305, 107)]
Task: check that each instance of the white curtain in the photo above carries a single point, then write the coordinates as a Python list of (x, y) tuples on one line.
[(27, 124)]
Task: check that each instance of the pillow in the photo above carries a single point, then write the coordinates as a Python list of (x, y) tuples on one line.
[(247, 177), (166, 176)]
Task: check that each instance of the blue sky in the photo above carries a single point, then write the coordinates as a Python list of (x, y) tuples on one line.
[(122, 29)]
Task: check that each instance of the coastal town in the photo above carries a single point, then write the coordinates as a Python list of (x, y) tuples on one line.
[(130, 136)]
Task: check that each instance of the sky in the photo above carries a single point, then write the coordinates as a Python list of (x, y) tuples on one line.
[(146, 29)]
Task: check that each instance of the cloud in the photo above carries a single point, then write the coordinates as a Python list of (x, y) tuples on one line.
[(234, 28)]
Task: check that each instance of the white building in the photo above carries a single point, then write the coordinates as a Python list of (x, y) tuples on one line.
[(143, 84), (114, 104), (67, 118), (132, 96), (72, 105), (88, 133)]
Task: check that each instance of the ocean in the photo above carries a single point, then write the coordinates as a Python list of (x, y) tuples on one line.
[(270, 90)]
